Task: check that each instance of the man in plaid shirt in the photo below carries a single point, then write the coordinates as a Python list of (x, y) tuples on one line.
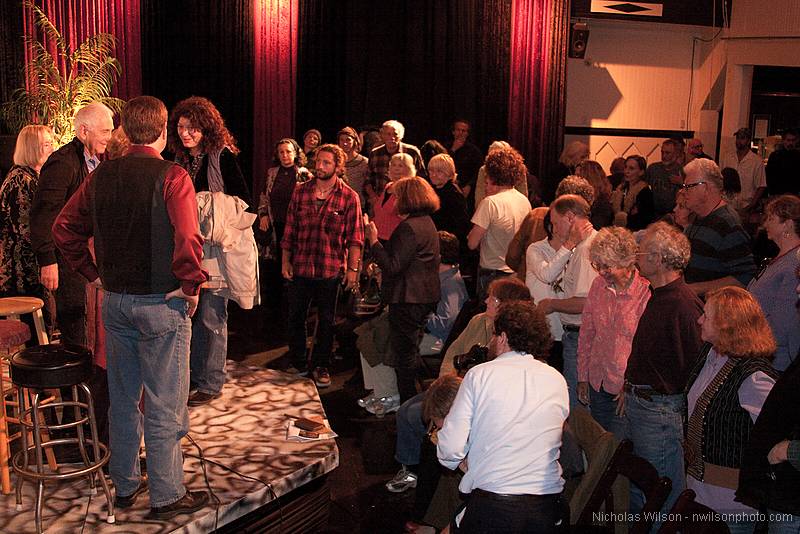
[(324, 235)]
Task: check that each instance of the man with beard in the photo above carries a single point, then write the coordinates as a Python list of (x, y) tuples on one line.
[(323, 236), (751, 173)]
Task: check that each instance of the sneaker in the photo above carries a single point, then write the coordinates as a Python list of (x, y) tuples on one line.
[(191, 502), (402, 481), (363, 403), (129, 500), (380, 406), (322, 377)]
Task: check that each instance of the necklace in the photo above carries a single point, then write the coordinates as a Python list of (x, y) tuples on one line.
[(322, 193), (194, 165)]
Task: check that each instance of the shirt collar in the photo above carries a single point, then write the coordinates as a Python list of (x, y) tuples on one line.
[(91, 161), (143, 150)]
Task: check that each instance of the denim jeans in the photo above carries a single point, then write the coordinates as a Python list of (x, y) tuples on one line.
[(569, 342), (485, 277), (209, 343), (783, 523), (410, 431), (324, 292), (603, 408), (148, 351), (656, 429)]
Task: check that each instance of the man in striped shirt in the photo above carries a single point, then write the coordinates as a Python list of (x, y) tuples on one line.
[(721, 253)]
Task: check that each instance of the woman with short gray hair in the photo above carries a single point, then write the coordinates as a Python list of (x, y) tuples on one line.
[(614, 304)]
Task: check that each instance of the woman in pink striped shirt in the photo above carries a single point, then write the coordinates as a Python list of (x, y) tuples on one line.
[(611, 314)]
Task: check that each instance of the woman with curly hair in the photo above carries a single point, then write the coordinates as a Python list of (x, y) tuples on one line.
[(207, 150), (611, 314), (726, 390)]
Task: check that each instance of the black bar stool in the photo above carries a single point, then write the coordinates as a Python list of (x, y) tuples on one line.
[(48, 367)]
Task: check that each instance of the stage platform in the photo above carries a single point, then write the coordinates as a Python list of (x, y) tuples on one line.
[(245, 430)]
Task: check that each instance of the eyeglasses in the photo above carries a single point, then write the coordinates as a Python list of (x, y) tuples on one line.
[(686, 187), (191, 130), (599, 267)]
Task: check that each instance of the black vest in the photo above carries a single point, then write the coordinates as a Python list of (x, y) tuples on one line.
[(134, 239), (726, 425)]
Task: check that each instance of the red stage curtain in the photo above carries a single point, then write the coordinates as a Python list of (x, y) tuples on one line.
[(79, 19), (537, 91), (274, 80)]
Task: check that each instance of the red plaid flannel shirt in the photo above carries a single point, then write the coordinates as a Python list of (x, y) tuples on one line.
[(319, 239)]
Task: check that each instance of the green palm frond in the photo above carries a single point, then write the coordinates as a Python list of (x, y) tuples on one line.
[(89, 76)]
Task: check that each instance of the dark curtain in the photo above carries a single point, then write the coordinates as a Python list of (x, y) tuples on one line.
[(12, 54), (539, 42), (423, 62), (274, 83), (204, 49), (79, 19)]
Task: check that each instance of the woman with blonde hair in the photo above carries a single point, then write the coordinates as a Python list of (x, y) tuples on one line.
[(384, 206), (19, 271), (602, 212), (452, 214), (726, 390), (615, 302)]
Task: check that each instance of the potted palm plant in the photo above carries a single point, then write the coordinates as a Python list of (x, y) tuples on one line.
[(53, 96)]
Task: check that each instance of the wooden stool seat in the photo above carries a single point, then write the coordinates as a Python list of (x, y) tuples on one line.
[(13, 307)]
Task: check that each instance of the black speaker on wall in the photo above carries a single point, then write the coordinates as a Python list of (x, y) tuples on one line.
[(578, 39)]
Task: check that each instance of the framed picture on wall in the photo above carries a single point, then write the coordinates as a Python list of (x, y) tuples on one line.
[(761, 126)]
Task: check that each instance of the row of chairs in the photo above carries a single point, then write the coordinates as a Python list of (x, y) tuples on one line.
[(604, 481)]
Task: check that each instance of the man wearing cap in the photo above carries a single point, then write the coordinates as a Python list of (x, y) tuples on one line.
[(751, 173), (356, 168)]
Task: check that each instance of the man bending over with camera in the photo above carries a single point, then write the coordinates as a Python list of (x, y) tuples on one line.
[(505, 426)]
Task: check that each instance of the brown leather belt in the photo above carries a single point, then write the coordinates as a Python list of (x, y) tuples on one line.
[(646, 393), (523, 498)]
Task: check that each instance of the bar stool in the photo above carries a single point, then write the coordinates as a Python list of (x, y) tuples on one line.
[(13, 307), (13, 335), (48, 367)]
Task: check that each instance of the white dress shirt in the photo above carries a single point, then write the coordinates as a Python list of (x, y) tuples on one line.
[(751, 174), (507, 420)]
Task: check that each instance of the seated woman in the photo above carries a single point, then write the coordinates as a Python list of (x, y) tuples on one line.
[(726, 390), (410, 426), (611, 314), (633, 199), (384, 205)]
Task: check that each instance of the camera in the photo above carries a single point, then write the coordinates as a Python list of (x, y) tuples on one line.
[(474, 356)]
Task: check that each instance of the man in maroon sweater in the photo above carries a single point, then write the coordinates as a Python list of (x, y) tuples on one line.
[(664, 350), (142, 213)]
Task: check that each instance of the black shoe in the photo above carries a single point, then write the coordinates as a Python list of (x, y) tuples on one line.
[(198, 398), (129, 500), (188, 504)]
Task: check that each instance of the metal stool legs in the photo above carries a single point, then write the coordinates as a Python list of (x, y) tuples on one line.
[(91, 467)]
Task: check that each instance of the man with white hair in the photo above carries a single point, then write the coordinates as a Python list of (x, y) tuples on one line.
[(60, 177), (392, 133), (721, 253)]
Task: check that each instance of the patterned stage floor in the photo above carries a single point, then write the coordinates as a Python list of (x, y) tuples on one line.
[(244, 429)]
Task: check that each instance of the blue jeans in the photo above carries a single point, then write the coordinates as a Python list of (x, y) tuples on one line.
[(569, 341), (324, 292), (656, 429), (783, 523), (209, 343), (603, 408), (148, 350), (410, 431), (485, 277)]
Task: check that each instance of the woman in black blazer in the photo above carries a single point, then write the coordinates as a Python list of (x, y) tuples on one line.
[(410, 266)]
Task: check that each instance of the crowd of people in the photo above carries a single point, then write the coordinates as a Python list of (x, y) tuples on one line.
[(633, 293)]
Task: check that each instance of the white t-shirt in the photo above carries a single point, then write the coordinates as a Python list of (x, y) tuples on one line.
[(543, 265), (577, 277), (500, 215), (751, 174), (507, 420)]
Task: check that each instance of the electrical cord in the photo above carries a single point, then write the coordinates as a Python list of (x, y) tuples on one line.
[(88, 504), (203, 460)]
